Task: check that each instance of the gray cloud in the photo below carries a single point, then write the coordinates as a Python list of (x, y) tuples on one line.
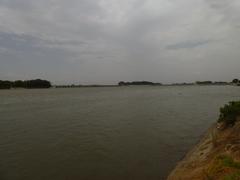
[(105, 41), (187, 44)]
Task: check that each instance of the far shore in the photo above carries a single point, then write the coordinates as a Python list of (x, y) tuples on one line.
[(83, 86), (45, 84), (99, 86)]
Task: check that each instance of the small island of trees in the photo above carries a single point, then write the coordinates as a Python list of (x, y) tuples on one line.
[(28, 84)]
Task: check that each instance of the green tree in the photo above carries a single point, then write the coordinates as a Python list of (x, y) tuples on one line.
[(235, 81), (229, 113)]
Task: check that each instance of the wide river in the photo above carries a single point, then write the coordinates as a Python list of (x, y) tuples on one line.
[(112, 133)]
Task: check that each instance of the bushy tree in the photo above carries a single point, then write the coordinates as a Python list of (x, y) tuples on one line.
[(235, 81), (18, 83), (229, 113), (37, 83), (5, 84)]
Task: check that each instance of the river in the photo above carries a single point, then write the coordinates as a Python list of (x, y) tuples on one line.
[(120, 133)]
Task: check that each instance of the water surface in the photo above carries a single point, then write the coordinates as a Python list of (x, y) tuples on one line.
[(103, 133)]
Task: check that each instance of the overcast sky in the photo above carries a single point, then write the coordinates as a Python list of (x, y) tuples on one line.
[(105, 41)]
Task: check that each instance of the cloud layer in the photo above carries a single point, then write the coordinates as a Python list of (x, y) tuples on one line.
[(105, 41)]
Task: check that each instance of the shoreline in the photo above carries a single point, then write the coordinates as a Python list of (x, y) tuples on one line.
[(203, 161), (99, 86), (188, 157)]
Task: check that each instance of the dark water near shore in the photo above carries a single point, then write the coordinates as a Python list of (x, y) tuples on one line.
[(130, 133)]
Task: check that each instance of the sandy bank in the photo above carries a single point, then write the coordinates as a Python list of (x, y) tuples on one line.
[(216, 156)]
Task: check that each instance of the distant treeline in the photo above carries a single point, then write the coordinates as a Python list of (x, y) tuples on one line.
[(29, 84), (122, 83), (82, 86), (234, 81), (210, 82)]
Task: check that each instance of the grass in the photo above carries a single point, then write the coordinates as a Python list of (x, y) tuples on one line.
[(233, 176), (223, 167), (228, 161)]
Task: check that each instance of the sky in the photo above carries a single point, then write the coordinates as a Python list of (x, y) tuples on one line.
[(106, 41)]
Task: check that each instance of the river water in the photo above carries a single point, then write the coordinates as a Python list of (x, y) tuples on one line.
[(111, 133)]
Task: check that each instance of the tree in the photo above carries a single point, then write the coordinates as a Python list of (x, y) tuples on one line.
[(37, 83), (18, 83), (229, 113), (5, 84), (235, 81)]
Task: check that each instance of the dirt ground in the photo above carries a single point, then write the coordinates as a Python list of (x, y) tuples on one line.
[(216, 156)]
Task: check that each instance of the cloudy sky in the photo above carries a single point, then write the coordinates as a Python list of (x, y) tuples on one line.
[(105, 41)]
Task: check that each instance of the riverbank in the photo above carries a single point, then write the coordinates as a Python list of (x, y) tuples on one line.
[(216, 156)]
